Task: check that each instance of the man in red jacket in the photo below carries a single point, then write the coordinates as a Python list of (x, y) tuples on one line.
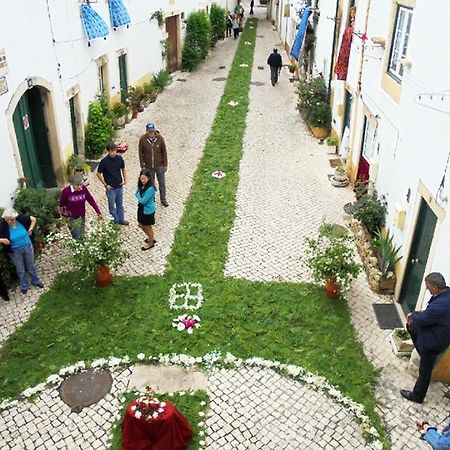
[(153, 156)]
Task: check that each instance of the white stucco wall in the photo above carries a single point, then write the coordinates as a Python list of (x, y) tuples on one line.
[(27, 35)]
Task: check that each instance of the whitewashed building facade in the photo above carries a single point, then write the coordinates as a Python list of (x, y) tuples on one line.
[(392, 115), (49, 72)]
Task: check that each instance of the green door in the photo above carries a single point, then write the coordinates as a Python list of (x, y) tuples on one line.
[(123, 78), (418, 256), (32, 138), (73, 122)]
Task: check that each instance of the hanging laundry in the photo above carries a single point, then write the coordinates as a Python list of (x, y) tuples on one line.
[(341, 67), (94, 25), (298, 41), (118, 13)]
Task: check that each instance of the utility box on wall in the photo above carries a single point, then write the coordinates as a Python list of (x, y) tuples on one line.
[(399, 217)]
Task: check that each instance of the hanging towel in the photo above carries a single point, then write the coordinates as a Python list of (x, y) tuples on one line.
[(118, 13), (299, 38), (94, 25), (341, 67)]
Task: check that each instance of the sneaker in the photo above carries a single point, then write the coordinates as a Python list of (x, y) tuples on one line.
[(124, 222), (24, 291), (164, 203), (6, 298), (40, 285)]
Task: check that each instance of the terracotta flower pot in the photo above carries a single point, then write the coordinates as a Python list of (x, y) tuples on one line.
[(319, 132), (103, 276), (332, 289)]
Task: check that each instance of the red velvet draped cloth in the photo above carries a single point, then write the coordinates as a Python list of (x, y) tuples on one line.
[(170, 431), (341, 68)]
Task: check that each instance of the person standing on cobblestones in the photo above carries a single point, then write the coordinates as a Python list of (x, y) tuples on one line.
[(229, 24), (15, 232), (72, 205), (275, 62), (430, 332), (145, 195), (153, 156)]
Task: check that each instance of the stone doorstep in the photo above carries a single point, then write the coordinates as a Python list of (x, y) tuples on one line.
[(164, 379)]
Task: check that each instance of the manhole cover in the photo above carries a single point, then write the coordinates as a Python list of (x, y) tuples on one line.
[(219, 79), (349, 208), (260, 67), (85, 389), (257, 83), (222, 67), (181, 79)]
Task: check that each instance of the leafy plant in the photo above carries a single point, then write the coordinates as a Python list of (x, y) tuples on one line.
[(74, 164), (402, 334), (118, 109), (340, 169), (371, 212), (159, 16), (320, 115), (135, 96), (217, 17), (310, 93), (98, 130), (162, 79), (332, 141), (387, 252), (331, 256), (197, 41), (101, 246), (360, 188)]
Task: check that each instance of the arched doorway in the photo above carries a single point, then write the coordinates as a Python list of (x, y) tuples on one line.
[(32, 134)]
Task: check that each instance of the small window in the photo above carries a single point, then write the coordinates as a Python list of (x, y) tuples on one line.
[(369, 137), (400, 42)]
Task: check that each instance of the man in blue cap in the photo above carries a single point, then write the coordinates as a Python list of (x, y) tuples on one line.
[(153, 156)]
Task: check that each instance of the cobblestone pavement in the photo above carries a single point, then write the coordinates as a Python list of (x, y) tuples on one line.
[(283, 195), (255, 408), (250, 408)]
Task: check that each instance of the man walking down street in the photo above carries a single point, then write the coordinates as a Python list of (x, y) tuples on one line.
[(153, 156), (275, 63), (430, 332), (111, 172)]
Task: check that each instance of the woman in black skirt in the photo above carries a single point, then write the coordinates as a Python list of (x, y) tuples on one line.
[(145, 195)]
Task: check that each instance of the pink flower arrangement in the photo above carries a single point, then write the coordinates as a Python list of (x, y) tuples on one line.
[(186, 322), (122, 147)]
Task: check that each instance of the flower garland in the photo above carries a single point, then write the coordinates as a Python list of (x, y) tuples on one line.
[(148, 406), (187, 295), (214, 360), (185, 322)]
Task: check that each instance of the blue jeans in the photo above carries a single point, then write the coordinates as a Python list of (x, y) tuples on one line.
[(115, 204), (23, 259), (76, 227)]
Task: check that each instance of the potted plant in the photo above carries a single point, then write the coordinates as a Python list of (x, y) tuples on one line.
[(320, 119), (371, 212), (401, 342), (340, 177), (331, 257), (150, 94), (118, 111), (98, 130), (76, 166), (388, 256), (97, 253), (292, 68), (360, 188), (333, 141), (135, 95)]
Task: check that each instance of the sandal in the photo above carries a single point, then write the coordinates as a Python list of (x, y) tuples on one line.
[(147, 248)]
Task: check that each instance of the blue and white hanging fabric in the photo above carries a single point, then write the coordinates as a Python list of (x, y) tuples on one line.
[(118, 13), (94, 25), (300, 36)]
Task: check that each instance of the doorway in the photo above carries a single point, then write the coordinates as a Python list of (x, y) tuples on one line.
[(418, 257), (31, 131), (366, 150), (75, 122), (123, 77), (172, 43)]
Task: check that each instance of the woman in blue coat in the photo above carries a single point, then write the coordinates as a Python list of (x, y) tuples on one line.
[(145, 195)]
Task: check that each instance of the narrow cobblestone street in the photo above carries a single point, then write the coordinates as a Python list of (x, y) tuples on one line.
[(284, 194)]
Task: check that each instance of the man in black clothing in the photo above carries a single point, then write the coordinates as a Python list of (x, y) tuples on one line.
[(252, 4), (275, 63)]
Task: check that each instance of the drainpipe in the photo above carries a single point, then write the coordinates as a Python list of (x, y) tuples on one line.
[(333, 50), (363, 48)]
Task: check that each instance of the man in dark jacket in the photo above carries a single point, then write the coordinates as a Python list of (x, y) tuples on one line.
[(275, 63), (153, 156), (430, 332)]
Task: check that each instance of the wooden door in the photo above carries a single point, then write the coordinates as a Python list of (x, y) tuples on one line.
[(32, 138), (366, 151), (74, 123), (172, 43), (418, 257)]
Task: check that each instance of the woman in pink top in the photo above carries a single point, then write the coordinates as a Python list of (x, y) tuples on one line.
[(73, 205)]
